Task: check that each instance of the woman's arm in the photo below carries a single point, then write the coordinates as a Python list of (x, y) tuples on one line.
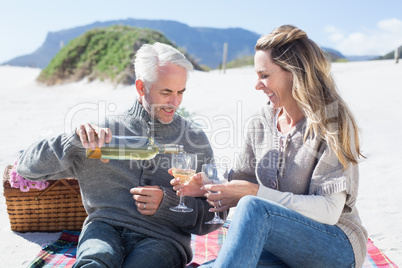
[(324, 209)]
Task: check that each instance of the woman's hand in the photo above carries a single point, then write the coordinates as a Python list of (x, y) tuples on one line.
[(192, 188), (227, 195)]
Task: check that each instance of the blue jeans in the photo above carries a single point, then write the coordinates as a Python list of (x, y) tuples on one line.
[(265, 234), (102, 245)]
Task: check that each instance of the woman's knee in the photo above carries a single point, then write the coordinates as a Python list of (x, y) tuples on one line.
[(254, 204), (247, 201)]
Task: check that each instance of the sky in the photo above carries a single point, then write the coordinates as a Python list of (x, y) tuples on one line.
[(353, 27)]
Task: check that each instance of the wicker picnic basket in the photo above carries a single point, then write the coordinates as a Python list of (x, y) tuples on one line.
[(56, 208)]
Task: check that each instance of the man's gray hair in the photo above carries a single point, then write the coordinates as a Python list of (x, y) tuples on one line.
[(150, 57)]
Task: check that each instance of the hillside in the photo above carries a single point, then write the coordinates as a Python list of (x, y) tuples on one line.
[(333, 54), (391, 55), (102, 53), (204, 44)]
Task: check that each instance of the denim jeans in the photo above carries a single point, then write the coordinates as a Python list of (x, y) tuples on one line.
[(102, 245), (265, 234)]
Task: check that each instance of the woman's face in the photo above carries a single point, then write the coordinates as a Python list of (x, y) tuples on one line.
[(273, 80)]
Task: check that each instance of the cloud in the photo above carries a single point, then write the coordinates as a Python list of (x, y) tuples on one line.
[(391, 25), (334, 34), (378, 41)]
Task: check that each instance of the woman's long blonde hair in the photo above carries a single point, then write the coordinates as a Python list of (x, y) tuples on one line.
[(314, 89)]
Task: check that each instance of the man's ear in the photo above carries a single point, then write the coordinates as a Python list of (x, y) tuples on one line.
[(139, 85)]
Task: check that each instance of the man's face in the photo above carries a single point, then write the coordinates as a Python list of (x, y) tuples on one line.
[(165, 96)]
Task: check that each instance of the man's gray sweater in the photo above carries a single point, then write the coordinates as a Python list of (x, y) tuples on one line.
[(105, 187)]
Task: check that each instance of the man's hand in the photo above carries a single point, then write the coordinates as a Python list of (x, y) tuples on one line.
[(147, 198), (92, 136)]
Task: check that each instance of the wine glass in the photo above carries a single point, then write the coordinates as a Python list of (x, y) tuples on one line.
[(183, 167), (209, 174)]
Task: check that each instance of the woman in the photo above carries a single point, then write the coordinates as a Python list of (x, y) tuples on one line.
[(296, 184)]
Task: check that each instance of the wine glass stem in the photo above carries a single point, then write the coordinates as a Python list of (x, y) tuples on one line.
[(182, 201), (216, 214)]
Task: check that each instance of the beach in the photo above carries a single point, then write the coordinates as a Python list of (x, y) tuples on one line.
[(221, 104)]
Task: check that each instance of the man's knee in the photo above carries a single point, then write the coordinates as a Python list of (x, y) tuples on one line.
[(99, 246)]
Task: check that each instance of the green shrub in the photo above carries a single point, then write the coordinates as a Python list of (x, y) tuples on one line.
[(341, 60), (240, 62), (102, 53)]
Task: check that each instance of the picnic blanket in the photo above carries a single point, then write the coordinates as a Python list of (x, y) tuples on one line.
[(62, 253)]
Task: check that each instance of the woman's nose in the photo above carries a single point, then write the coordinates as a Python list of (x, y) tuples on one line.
[(259, 85)]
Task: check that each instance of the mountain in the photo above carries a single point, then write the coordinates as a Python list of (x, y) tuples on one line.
[(333, 54), (205, 44)]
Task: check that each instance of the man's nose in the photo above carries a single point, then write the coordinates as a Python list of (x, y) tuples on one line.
[(175, 100)]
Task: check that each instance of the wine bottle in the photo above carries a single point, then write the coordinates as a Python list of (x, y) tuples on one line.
[(132, 148)]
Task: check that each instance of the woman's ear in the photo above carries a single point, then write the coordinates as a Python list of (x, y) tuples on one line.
[(139, 85)]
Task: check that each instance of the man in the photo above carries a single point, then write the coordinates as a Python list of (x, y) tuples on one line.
[(129, 222)]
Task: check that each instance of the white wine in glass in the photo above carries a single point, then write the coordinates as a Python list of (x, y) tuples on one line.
[(183, 167), (209, 174)]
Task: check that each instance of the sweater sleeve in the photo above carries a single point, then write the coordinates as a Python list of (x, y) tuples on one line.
[(53, 158), (245, 163), (324, 209), (329, 177)]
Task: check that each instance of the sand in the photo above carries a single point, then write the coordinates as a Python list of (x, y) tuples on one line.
[(222, 104)]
